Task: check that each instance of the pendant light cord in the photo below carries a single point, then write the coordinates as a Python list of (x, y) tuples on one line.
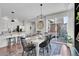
[(41, 10), (12, 13)]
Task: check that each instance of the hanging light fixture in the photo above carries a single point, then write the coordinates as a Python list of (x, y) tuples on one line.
[(41, 11), (40, 22), (12, 17)]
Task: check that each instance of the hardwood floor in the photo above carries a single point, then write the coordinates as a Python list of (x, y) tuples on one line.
[(16, 50), (11, 51)]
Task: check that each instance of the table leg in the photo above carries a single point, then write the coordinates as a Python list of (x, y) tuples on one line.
[(37, 49)]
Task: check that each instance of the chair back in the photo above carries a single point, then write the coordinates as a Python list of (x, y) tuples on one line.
[(23, 42), (27, 46), (45, 43)]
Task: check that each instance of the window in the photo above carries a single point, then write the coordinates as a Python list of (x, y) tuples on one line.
[(65, 19)]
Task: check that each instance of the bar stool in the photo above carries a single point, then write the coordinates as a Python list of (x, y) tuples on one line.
[(11, 45), (18, 42)]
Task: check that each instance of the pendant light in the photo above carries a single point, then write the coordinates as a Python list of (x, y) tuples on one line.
[(40, 22), (41, 11), (12, 17)]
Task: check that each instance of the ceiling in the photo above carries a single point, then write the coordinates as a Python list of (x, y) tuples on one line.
[(25, 11)]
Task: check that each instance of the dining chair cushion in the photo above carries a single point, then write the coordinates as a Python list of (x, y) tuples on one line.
[(44, 44)]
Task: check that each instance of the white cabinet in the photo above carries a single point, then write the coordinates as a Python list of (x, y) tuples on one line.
[(3, 42)]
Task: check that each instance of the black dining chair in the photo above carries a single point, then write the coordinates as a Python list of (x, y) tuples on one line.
[(28, 47), (49, 38), (44, 46)]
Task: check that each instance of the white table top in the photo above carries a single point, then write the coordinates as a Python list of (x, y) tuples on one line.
[(35, 40)]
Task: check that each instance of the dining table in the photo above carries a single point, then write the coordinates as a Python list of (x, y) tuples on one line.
[(37, 41)]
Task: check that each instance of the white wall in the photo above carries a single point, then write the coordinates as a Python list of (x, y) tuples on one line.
[(27, 27), (70, 25), (0, 12), (47, 25)]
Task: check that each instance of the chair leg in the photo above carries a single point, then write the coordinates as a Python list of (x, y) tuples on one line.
[(47, 49), (50, 46), (28, 53), (33, 52), (23, 53), (43, 51)]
